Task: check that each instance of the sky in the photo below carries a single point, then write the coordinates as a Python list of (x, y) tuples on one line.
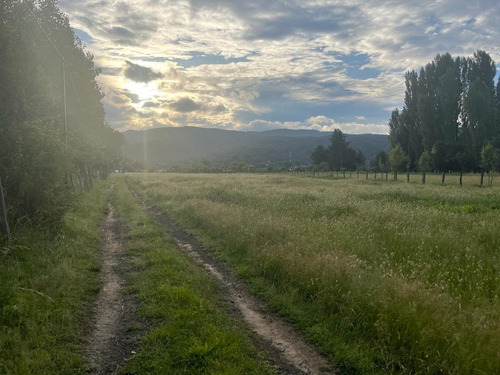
[(262, 64)]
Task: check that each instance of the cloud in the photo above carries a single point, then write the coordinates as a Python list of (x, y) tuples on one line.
[(134, 98), (122, 35), (139, 73), (185, 105), (226, 63), (120, 99), (320, 123), (150, 105)]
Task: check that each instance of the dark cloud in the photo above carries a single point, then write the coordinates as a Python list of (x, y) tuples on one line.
[(139, 73), (185, 105), (150, 105), (110, 71), (282, 19), (123, 36), (318, 20), (121, 32), (133, 97), (144, 114), (120, 99), (220, 108), (119, 116)]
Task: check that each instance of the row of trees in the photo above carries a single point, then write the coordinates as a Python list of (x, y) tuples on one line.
[(53, 138), (450, 119)]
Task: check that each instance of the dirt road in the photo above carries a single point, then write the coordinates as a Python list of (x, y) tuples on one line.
[(109, 342), (290, 351)]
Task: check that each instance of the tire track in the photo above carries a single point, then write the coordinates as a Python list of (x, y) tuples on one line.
[(109, 344), (289, 350)]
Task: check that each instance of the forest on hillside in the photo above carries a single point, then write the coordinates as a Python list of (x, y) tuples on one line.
[(53, 136)]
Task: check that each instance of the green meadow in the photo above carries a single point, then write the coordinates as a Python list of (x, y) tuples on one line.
[(382, 276)]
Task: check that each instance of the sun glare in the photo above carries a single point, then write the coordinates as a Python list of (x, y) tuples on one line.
[(145, 91)]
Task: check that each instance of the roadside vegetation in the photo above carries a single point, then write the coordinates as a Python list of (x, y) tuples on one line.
[(385, 277), (54, 141), (47, 280)]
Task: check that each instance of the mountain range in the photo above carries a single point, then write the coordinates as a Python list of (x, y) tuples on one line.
[(164, 148)]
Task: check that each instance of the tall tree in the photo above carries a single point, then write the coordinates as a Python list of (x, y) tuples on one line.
[(426, 106), (41, 159), (480, 109), (319, 155), (451, 109), (448, 95), (340, 155), (410, 119)]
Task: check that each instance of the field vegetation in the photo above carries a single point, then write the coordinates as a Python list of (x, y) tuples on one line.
[(50, 279), (384, 277), (188, 330), (47, 280)]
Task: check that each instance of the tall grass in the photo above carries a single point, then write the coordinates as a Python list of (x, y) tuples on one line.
[(46, 280), (189, 331), (384, 277)]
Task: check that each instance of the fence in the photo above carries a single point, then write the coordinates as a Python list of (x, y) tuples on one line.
[(3, 212), (458, 179)]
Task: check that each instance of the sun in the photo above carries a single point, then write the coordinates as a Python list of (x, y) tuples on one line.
[(145, 91)]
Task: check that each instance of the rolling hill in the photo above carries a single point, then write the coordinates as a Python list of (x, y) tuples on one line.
[(167, 147)]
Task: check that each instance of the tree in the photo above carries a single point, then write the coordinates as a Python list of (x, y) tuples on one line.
[(397, 131), (480, 113), (337, 150), (323, 166), (425, 164), (448, 96), (338, 155), (451, 109), (489, 157), (398, 160), (319, 155), (382, 162), (481, 67), (40, 161)]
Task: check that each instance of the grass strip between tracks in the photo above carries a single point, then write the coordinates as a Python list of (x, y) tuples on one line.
[(189, 334)]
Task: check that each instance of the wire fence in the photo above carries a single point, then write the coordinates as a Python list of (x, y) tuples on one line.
[(449, 178)]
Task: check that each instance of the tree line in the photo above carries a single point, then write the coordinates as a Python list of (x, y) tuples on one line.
[(450, 119), (53, 136)]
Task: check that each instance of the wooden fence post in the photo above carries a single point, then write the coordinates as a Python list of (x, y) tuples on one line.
[(3, 212)]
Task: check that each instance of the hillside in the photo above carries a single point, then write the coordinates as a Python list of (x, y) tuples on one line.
[(166, 147)]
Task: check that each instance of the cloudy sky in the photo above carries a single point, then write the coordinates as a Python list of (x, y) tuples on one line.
[(263, 64)]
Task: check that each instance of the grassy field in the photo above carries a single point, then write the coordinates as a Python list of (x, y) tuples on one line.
[(385, 277)]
